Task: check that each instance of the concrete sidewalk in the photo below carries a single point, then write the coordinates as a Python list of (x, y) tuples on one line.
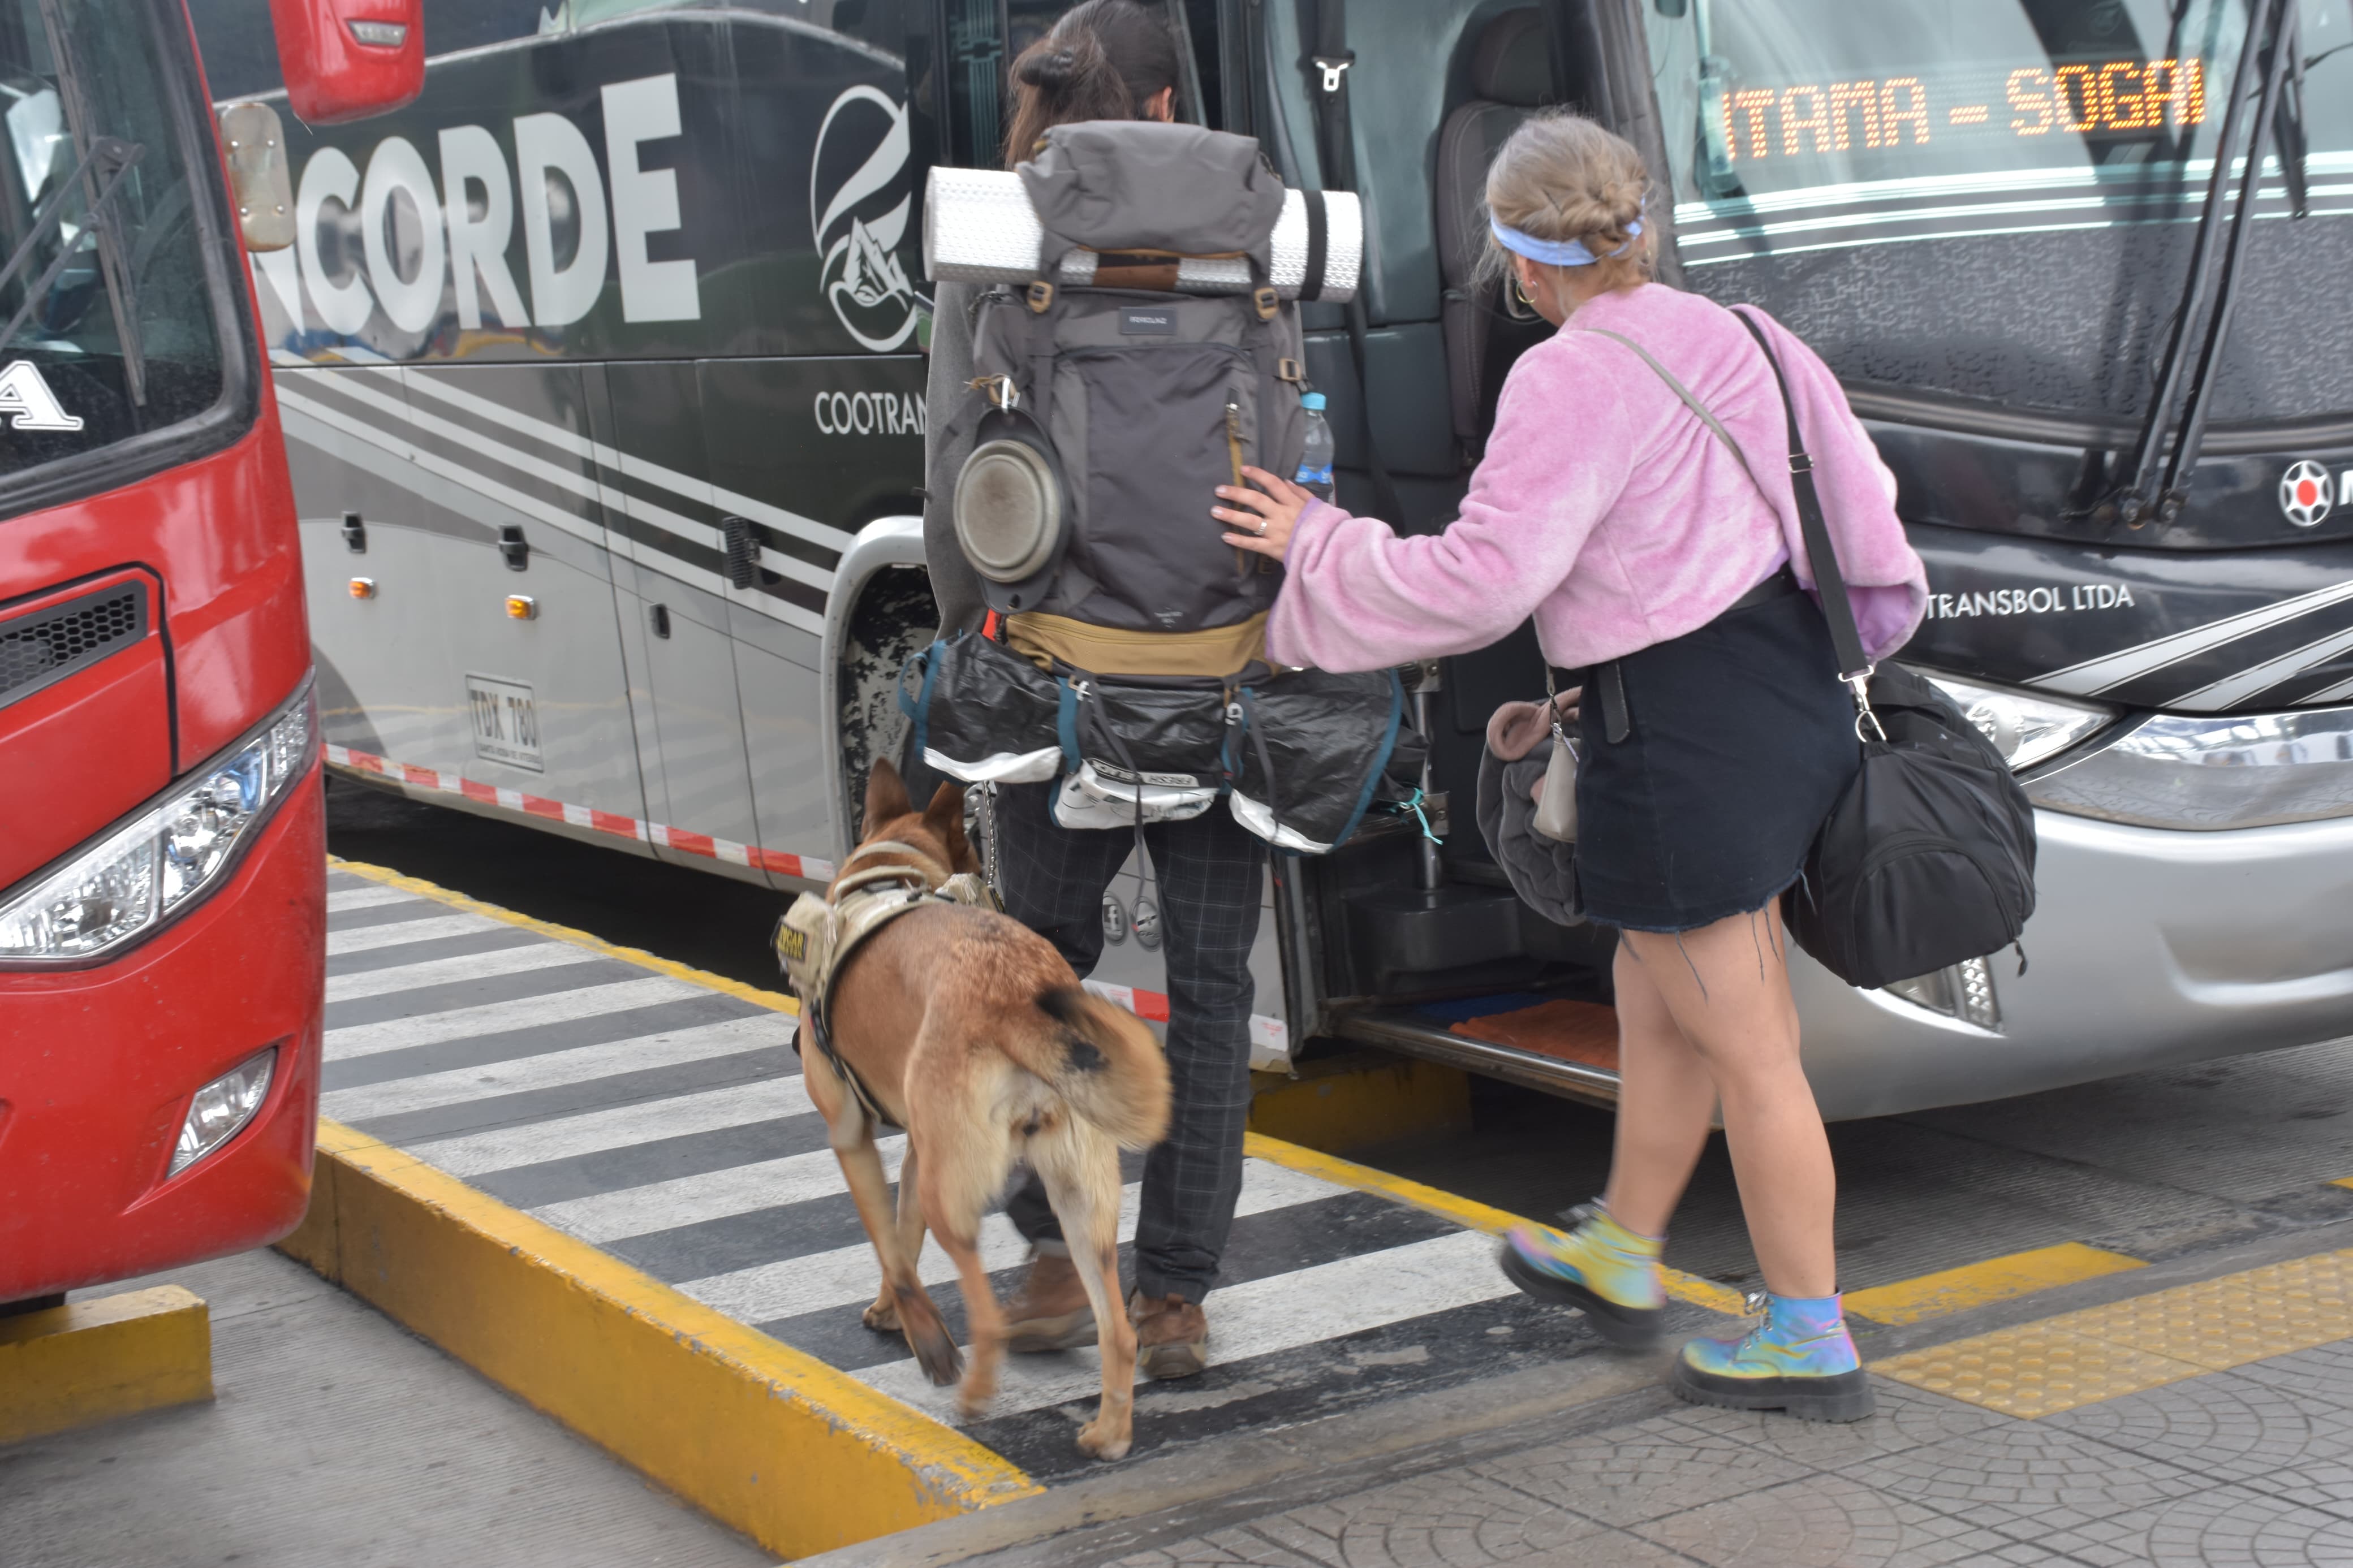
[(335, 1437), (2205, 1422)]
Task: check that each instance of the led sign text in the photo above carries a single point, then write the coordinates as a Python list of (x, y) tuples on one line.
[(2106, 98)]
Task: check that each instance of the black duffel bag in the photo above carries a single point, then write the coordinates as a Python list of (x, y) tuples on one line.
[(1928, 860)]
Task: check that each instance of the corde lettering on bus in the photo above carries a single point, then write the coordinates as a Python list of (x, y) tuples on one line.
[(413, 239)]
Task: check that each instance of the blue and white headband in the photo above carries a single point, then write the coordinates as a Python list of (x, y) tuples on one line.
[(1556, 252)]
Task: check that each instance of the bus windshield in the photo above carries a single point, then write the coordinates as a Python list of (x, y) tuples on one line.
[(106, 323), (2052, 154)]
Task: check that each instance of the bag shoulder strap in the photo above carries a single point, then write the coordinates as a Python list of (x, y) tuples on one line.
[(1854, 666)]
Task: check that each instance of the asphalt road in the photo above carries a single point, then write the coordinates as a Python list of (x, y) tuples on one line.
[(2155, 1167)]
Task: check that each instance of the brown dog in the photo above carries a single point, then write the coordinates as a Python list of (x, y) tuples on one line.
[(969, 1031)]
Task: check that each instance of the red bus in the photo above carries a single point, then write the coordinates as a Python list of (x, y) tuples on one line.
[(163, 904)]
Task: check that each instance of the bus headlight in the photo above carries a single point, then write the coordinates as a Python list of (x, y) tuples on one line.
[(218, 1112), (123, 884), (2025, 727), (2213, 771)]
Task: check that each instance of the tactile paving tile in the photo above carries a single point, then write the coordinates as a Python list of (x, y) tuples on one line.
[(2103, 1353), (2227, 1322), (2035, 1370)]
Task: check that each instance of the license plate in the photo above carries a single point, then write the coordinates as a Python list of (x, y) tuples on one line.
[(506, 721)]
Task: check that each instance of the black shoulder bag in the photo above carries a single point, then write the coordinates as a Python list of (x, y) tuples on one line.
[(1927, 860)]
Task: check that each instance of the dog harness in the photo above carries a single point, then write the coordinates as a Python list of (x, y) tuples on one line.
[(818, 935)]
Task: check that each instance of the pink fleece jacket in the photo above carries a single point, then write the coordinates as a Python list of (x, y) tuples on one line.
[(1607, 510)]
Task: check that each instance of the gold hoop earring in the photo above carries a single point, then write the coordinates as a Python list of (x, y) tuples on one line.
[(1521, 290)]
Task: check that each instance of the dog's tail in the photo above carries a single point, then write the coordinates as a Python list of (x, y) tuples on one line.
[(1104, 1063)]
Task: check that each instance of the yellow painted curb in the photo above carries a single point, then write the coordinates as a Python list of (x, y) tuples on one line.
[(597, 945), (771, 1441), (1462, 1211), (1339, 1103), (1992, 1279), (92, 1361)]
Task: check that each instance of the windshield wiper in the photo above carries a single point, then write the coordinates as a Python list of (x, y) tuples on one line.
[(123, 156), (114, 262), (2168, 447)]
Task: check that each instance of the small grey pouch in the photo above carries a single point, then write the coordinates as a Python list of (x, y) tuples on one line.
[(1541, 872), (1556, 808)]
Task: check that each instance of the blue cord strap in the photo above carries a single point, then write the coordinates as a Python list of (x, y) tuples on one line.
[(919, 707)]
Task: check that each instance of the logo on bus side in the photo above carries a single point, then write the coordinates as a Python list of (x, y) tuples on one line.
[(2305, 494), (858, 203), (27, 403)]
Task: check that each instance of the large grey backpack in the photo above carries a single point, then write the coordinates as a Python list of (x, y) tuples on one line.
[(1105, 414)]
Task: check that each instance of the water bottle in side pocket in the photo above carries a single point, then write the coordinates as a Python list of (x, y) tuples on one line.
[(1315, 474)]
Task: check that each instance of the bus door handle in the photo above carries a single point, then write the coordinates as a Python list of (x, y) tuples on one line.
[(658, 619)]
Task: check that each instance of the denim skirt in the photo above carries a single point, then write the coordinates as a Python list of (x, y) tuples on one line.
[(1740, 739)]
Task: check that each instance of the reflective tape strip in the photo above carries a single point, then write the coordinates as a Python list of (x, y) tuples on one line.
[(517, 802)]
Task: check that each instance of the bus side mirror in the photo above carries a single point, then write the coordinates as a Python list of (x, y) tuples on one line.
[(347, 59), (256, 143)]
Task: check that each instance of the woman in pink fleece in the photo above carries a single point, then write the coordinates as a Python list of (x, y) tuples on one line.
[(1715, 735)]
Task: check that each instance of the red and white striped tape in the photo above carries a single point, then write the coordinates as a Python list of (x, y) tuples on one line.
[(807, 867), (1270, 1037)]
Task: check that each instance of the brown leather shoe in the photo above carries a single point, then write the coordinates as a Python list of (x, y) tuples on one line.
[(1052, 1312), (1172, 1335)]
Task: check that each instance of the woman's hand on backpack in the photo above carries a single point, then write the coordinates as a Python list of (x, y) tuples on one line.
[(1272, 512)]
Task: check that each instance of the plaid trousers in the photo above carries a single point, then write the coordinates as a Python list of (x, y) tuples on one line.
[(1210, 877)]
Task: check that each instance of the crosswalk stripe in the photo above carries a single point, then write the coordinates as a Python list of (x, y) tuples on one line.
[(367, 939), (445, 971), (1279, 1313), (553, 1069), (693, 1200), (569, 1137), (845, 1276), (494, 1018), (366, 897)]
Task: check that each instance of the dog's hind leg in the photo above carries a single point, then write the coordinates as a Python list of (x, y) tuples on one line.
[(883, 1316), (852, 1134), (1081, 1169), (988, 1321)]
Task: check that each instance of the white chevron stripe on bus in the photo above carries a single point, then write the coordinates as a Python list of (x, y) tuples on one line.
[(587, 486), (846, 1276), (620, 1127), (636, 468), (620, 462), (717, 1194), (450, 970), (497, 1017), (2094, 676), (2235, 688), (559, 1069), (367, 939), (300, 412), (1257, 1317)]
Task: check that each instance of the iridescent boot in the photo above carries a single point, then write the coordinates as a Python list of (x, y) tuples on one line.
[(1605, 1270), (1799, 1358)]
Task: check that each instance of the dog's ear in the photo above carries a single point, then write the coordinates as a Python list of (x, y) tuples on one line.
[(886, 797), (945, 818)]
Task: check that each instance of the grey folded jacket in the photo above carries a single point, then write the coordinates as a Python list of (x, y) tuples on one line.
[(1541, 871)]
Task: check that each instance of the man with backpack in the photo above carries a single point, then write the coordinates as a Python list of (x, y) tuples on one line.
[(1114, 61)]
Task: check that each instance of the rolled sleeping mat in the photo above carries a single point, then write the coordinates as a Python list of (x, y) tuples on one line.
[(978, 227)]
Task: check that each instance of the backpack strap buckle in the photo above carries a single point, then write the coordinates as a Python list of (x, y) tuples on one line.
[(1291, 369), (1263, 297), (1040, 297)]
